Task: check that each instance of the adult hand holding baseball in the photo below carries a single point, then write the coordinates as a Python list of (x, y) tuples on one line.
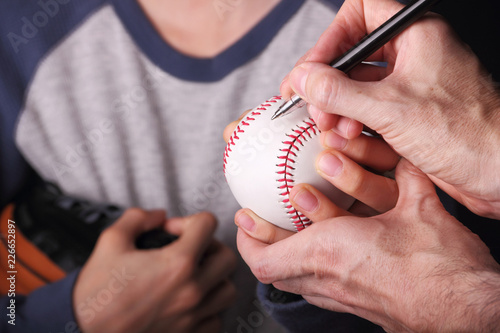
[(352, 166), (414, 268), (434, 103)]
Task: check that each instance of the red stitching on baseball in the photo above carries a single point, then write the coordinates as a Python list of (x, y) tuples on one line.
[(288, 151), (284, 172), (239, 129), (292, 143), (300, 135)]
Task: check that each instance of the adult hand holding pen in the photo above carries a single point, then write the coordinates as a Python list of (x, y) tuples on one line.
[(414, 268), (434, 103)]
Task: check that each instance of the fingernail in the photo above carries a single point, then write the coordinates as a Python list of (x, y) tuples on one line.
[(306, 200), (330, 164), (333, 140), (246, 222), (298, 78)]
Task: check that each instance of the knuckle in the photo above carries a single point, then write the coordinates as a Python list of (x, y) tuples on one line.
[(110, 235), (207, 218), (265, 232), (262, 273), (185, 266), (434, 31), (439, 27), (135, 212), (324, 91), (270, 235), (192, 295), (358, 184), (325, 255)]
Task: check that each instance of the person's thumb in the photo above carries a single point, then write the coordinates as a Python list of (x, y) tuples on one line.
[(135, 221), (415, 188), (332, 91)]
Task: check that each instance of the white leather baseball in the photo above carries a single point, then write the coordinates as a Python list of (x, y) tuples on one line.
[(265, 158)]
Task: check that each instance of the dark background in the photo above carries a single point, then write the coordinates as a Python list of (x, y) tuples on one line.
[(477, 22)]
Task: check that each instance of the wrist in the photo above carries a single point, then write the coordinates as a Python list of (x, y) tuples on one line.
[(478, 298), (459, 302)]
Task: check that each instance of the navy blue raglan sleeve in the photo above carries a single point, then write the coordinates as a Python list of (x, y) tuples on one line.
[(47, 309), (29, 29), (298, 316)]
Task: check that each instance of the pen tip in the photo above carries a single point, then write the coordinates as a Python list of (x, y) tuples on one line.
[(278, 113)]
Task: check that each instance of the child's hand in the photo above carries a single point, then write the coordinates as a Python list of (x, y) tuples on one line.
[(181, 287)]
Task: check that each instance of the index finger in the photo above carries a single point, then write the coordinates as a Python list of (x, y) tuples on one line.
[(134, 221)]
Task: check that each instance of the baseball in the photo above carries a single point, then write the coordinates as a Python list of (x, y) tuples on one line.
[(265, 158)]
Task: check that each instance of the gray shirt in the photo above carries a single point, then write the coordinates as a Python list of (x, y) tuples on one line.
[(104, 121)]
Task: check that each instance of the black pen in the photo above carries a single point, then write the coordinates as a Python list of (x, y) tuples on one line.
[(369, 44)]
